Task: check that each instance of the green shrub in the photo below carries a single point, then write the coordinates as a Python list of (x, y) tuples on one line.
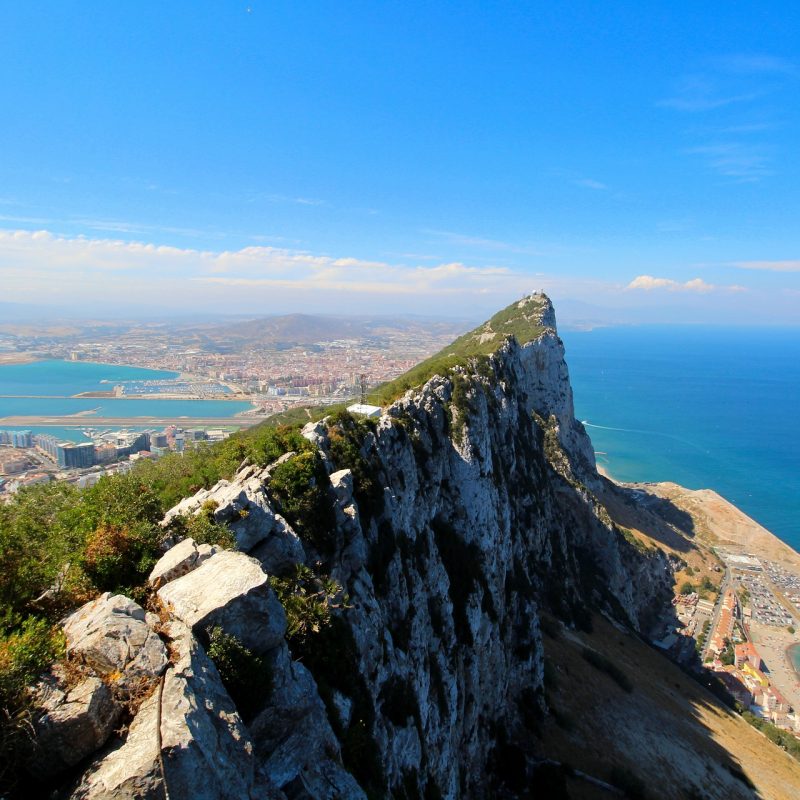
[(346, 435), (301, 488), (307, 599), (117, 559), (24, 655), (247, 676)]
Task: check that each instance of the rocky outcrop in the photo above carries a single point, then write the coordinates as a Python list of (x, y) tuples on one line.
[(110, 635), (205, 750), (179, 560), (243, 505), (459, 518), (229, 590), (70, 722)]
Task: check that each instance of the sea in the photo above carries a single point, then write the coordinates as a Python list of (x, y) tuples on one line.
[(45, 388), (705, 407)]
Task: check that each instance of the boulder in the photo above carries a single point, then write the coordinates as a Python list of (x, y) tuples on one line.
[(110, 634), (205, 748), (342, 482), (70, 723), (230, 590), (179, 560), (243, 505)]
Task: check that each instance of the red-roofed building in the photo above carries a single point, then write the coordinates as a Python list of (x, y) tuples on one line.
[(746, 653)]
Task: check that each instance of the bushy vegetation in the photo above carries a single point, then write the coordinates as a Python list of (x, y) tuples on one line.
[(301, 489), (347, 434), (61, 546), (247, 676), (307, 599)]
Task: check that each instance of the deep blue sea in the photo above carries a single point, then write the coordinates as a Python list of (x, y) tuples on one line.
[(715, 408), (55, 381)]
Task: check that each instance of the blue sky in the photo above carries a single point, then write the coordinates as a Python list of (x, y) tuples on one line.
[(638, 161)]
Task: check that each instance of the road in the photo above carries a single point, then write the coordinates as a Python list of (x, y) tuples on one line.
[(717, 609)]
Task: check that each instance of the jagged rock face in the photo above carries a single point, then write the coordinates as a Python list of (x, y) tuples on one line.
[(70, 722), (206, 751), (111, 636), (229, 590), (475, 533)]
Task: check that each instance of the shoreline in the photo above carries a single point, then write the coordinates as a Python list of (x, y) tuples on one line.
[(792, 666)]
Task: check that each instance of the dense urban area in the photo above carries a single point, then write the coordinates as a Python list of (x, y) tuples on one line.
[(274, 364), (741, 628)]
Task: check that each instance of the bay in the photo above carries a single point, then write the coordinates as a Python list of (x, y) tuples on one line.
[(48, 386)]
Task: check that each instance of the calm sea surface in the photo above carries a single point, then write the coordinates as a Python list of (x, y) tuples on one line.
[(54, 381), (715, 408)]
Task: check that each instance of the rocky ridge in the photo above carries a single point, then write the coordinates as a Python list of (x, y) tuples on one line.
[(458, 521)]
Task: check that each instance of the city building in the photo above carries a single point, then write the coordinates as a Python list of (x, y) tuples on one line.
[(75, 456), (21, 439)]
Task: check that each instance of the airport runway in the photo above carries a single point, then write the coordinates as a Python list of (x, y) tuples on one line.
[(91, 421)]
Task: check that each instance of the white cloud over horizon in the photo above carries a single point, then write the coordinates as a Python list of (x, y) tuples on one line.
[(92, 274), (770, 266), (36, 264), (649, 283)]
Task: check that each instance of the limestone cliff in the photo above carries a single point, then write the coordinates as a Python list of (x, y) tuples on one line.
[(455, 524)]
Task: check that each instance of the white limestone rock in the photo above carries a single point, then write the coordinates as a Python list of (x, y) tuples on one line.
[(69, 723), (243, 505), (293, 739), (230, 590), (205, 747), (179, 560), (110, 634)]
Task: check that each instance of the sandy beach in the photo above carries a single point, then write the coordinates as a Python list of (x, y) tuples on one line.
[(772, 645)]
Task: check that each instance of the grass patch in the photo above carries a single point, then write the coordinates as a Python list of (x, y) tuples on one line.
[(246, 676), (783, 739), (523, 323)]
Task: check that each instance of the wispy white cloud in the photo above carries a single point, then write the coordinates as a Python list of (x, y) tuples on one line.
[(43, 262), (589, 183), (698, 93), (755, 64), (480, 242), (770, 266), (649, 283), (738, 160)]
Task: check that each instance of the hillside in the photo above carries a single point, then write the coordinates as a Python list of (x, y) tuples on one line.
[(432, 604)]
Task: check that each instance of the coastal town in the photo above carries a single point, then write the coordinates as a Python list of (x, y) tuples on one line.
[(28, 459), (744, 633), (275, 364), (262, 367)]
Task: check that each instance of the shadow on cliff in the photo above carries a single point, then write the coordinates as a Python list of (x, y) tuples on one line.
[(621, 718), (656, 517)]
